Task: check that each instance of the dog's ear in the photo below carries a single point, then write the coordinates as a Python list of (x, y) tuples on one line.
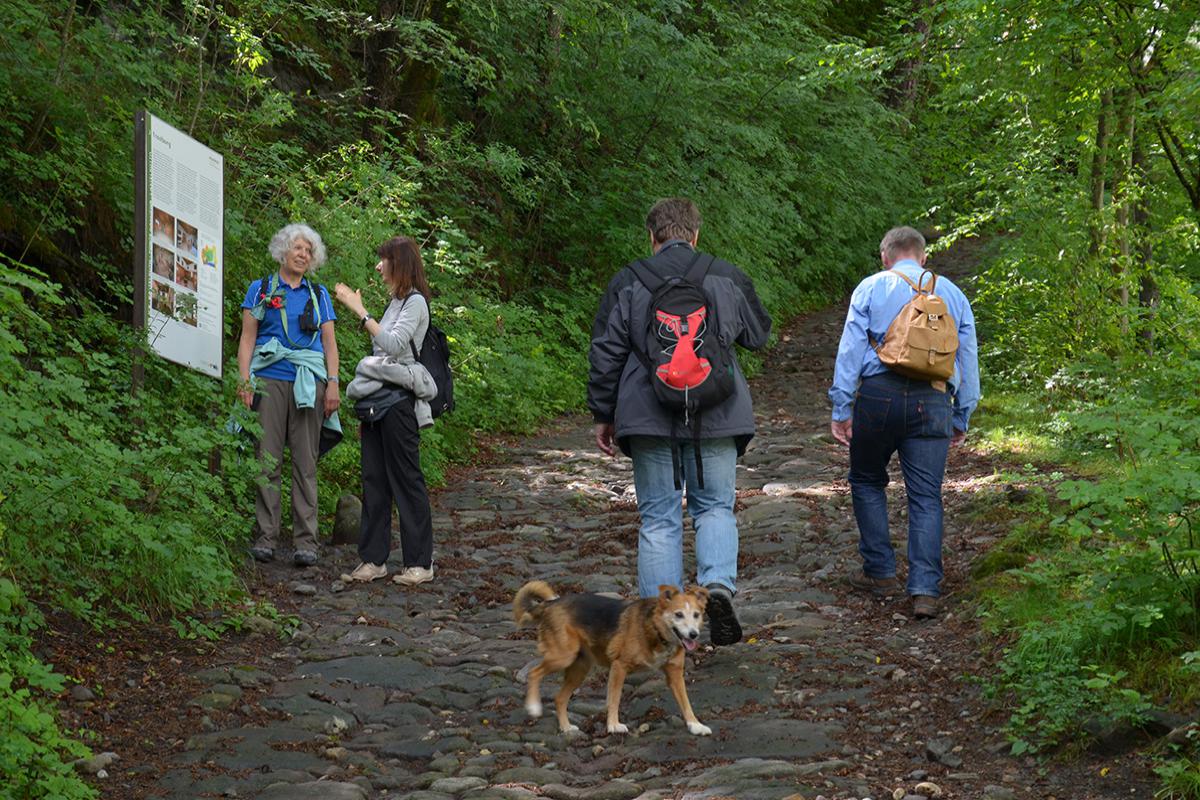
[(700, 592), (666, 592)]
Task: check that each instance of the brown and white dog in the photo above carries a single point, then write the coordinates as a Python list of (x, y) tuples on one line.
[(580, 630)]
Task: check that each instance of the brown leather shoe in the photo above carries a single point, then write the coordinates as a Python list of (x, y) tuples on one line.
[(880, 587), (924, 606)]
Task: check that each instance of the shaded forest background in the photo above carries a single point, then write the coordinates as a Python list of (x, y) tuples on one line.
[(521, 142)]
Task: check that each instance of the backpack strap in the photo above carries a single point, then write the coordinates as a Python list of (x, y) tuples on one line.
[(412, 345), (652, 281), (919, 286), (647, 276), (697, 270), (908, 280), (932, 280)]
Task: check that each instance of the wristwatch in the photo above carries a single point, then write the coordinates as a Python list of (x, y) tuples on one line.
[(366, 318), (332, 379)]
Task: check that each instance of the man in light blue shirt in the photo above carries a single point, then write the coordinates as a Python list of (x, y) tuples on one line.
[(877, 412)]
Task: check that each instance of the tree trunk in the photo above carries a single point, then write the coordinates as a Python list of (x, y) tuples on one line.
[(909, 70), (1099, 166), (381, 72), (1122, 197), (1148, 293), (418, 94)]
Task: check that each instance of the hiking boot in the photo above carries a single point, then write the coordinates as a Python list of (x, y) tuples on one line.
[(924, 606), (411, 576), (365, 573), (880, 587), (304, 558), (723, 626), (263, 554)]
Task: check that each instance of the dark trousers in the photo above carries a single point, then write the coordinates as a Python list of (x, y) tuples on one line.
[(391, 472), (894, 414)]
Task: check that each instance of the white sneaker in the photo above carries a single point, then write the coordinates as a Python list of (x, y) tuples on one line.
[(366, 572), (411, 576)]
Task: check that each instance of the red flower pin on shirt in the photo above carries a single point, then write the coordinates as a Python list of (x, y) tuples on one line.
[(276, 302)]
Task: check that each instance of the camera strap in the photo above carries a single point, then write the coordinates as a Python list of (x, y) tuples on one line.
[(283, 317)]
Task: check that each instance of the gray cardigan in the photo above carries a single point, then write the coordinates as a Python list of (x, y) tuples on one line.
[(404, 324)]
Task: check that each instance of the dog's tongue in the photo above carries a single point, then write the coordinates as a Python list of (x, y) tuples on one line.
[(689, 644)]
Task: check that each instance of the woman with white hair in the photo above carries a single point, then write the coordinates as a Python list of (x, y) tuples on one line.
[(288, 364)]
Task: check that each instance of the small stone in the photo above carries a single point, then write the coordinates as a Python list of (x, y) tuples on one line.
[(992, 792), (102, 774), (347, 520), (261, 626), (96, 764), (81, 694), (337, 586), (898, 793), (305, 589), (457, 785), (927, 789), (899, 675)]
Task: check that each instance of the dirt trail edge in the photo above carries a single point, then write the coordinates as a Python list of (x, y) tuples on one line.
[(387, 692)]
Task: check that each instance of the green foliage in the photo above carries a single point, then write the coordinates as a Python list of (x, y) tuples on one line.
[(1067, 133), (1180, 779), (34, 753), (109, 502), (1108, 608)]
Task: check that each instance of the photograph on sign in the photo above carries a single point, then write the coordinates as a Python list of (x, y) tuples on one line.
[(164, 228), (162, 298), (185, 239), (164, 262), (184, 207), (185, 273)]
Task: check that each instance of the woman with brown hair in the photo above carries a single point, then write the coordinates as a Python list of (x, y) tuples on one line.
[(391, 390)]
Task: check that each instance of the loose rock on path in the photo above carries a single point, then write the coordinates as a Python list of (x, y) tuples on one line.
[(386, 692)]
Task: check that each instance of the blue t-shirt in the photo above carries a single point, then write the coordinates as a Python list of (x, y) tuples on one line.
[(271, 325)]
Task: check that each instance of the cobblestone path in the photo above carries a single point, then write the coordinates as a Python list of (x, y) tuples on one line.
[(388, 693)]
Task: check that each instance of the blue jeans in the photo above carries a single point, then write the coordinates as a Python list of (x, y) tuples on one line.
[(660, 504), (893, 413)]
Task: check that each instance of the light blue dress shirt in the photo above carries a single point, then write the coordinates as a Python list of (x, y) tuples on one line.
[(875, 303)]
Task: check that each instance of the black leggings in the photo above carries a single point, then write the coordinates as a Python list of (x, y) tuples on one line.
[(391, 472)]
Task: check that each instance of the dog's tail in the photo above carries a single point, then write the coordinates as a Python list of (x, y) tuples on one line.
[(527, 603)]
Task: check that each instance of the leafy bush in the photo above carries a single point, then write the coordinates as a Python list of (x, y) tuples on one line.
[(1112, 600), (34, 754)]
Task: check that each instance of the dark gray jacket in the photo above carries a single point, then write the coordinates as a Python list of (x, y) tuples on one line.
[(619, 389)]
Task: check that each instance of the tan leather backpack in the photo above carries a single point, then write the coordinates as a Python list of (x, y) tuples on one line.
[(922, 340)]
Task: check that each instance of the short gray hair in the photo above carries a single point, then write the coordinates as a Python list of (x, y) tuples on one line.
[(283, 239), (902, 240), (673, 218)]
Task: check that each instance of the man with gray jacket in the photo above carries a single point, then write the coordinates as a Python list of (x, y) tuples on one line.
[(664, 446)]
